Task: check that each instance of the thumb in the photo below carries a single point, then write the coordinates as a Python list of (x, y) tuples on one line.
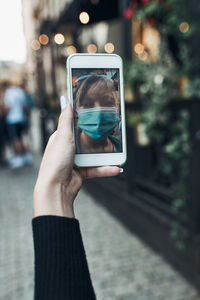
[(66, 117)]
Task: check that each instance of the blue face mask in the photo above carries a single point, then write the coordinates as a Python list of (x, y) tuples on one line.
[(98, 122)]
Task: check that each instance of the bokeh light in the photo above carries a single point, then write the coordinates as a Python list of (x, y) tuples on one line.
[(109, 47), (139, 48), (84, 17), (71, 50), (92, 48), (158, 79), (95, 2), (184, 27), (59, 38), (35, 45), (43, 39), (143, 55)]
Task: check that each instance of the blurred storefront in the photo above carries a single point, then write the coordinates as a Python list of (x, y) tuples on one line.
[(12, 72), (160, 186), (53, 31)]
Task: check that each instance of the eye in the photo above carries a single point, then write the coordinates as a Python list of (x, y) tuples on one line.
[(109, 101), (87, 103)]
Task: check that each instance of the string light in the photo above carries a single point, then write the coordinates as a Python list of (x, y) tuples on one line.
[(139, 48), (92, 48), (184, 27), (109, 47), (71, 50), (43, 39), (35, 45), (84, 17), (59, 38)]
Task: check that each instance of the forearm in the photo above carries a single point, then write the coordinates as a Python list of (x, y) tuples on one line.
[(54, 201), (61, 270)]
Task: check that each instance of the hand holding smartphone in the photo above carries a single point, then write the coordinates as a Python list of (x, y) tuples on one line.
[(95, 84)]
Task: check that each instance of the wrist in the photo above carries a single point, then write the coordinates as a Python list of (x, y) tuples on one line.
[(52, 199)]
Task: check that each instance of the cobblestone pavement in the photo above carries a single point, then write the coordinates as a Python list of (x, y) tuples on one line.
[(122, 267)]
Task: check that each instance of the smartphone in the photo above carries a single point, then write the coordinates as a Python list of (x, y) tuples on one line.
[(95, 89)]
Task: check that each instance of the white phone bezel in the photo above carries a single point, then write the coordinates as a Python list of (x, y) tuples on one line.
[(81, 60)]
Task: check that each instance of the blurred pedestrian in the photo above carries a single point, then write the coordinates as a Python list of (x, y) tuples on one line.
[(16, 121), (30, 102), (61, 270), (29, 98), (3, 129)]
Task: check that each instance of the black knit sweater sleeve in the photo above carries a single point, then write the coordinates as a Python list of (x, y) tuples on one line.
[(61, 270)]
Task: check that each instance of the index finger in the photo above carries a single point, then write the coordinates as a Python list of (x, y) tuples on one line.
[(106, 171)]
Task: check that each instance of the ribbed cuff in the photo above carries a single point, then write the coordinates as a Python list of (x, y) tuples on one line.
[(60, 231), (61, 270)]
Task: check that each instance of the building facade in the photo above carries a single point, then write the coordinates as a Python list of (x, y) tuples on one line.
[(56, 29)]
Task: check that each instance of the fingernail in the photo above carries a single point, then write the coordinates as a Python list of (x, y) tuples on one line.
[(63, 102), (121, 170)]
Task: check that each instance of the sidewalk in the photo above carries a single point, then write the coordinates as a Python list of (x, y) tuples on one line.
[(122, 267)]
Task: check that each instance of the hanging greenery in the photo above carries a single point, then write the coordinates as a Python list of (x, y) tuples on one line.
[(158, 85)]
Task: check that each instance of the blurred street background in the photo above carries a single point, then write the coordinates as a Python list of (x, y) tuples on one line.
[(121, 265), (141, 230)]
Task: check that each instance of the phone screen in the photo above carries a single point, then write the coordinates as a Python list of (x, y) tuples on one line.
[(97, 110)]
